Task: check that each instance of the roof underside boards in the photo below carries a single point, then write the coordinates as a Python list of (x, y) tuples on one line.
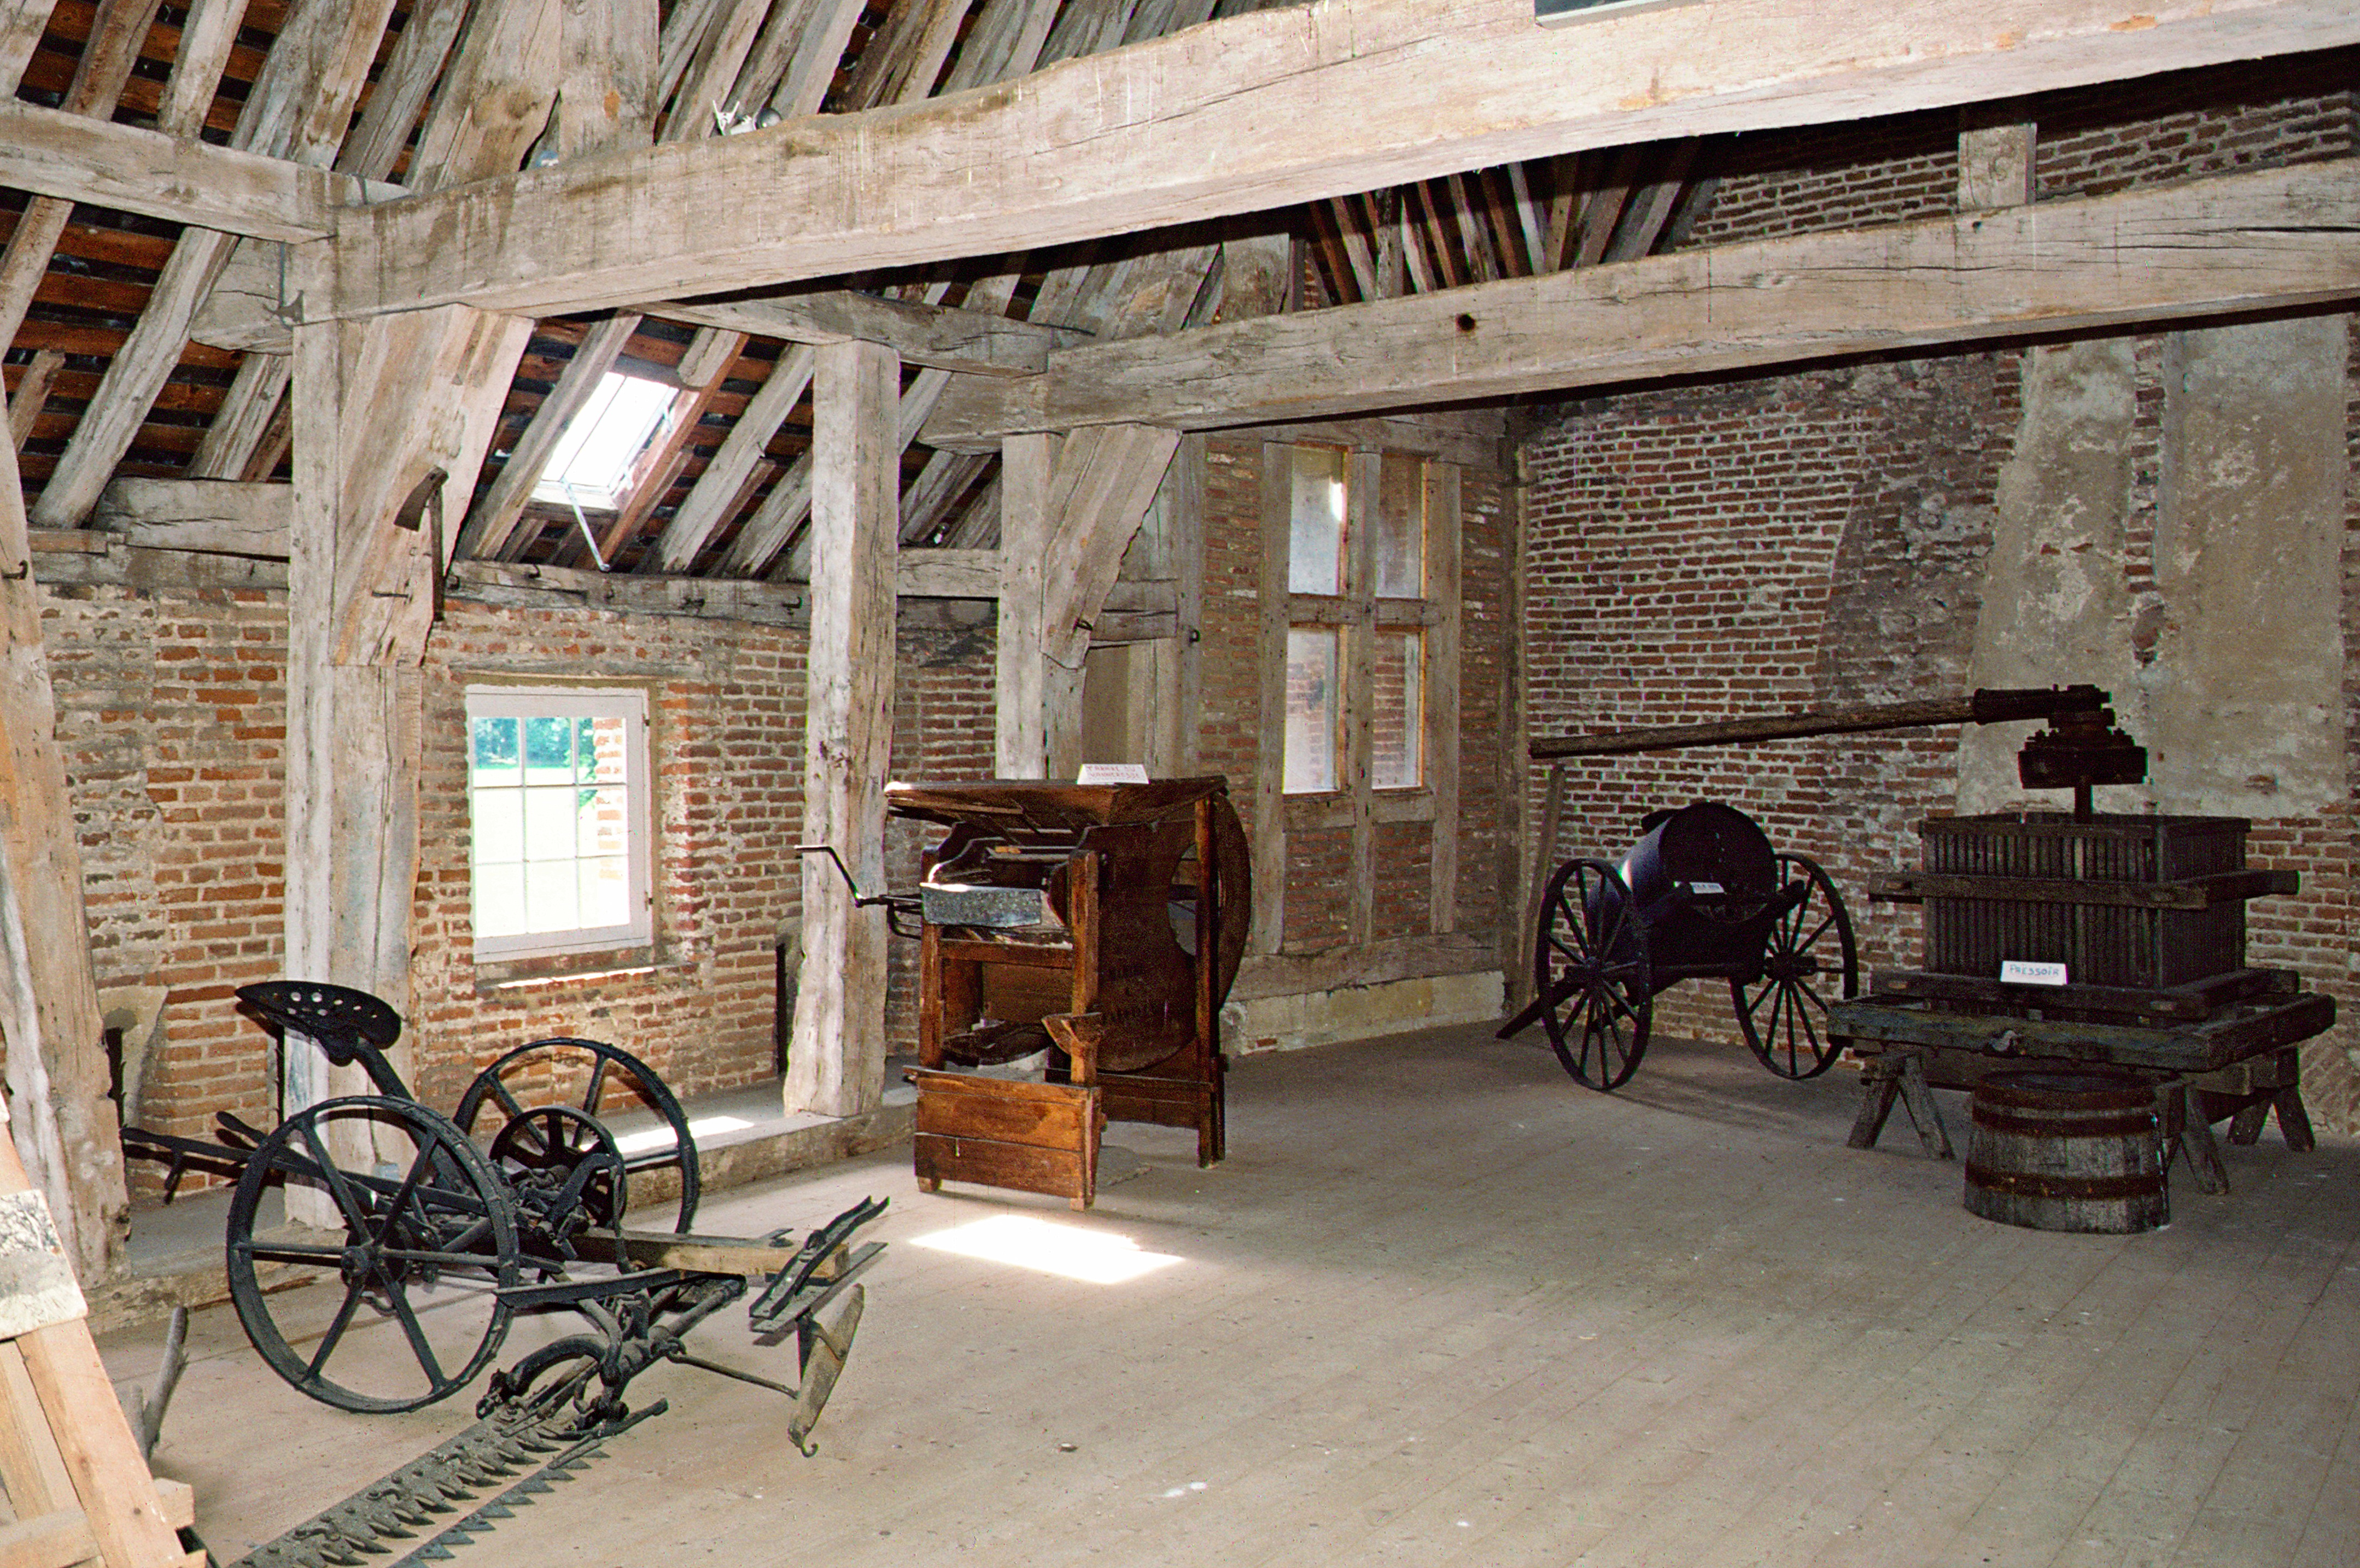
[(136, 348), (716, 499)]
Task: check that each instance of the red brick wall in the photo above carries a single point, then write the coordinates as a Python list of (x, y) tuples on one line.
[(2092, 141), (1818, 538), (173, 712), (1789, 542), (172, 719)]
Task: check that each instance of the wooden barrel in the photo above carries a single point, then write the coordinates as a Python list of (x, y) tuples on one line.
[(2067, 1149)]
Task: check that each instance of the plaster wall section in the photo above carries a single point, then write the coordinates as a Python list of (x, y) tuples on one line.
[(2244, 695), (2057, 604)]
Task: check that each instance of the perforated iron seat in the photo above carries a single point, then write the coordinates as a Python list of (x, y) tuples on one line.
[(348, 1024)]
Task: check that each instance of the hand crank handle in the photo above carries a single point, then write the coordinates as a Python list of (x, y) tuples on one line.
[(896, 904)]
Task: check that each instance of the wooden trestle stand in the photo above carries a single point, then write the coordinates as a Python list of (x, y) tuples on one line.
[(78, 1489), (1072, 918)]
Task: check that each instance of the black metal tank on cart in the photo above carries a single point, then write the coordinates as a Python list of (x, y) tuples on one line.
[(1702, 896)]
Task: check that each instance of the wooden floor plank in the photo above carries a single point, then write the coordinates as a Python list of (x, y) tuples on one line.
[(1443, 1306)]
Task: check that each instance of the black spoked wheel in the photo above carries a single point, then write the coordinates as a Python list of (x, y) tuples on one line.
[(616, 1091), (426, 1239), (1592, 971), (1807, 963), (565, 1170)]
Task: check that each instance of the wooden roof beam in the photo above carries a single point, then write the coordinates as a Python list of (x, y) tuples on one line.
[(1206, 122), (935, 335), (2271, 239)]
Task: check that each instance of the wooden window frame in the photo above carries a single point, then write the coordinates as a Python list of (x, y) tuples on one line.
[(630, 704), (1357, 804)]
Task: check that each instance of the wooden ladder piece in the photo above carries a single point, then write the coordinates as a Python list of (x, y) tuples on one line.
[(80, 1490)]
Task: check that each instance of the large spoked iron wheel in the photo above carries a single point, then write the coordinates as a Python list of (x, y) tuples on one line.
[(1591, 973), (426, 1239), (1807, 963), (611, 1088)]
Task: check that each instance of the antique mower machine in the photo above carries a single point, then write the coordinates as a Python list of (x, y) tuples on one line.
[(1704, 896), (447, 1227)]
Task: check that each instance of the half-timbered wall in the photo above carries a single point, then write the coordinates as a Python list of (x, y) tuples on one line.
[(1361, 942)]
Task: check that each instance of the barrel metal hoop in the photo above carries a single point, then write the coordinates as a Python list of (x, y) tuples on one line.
[(2059, 1128), (2025, 1185)]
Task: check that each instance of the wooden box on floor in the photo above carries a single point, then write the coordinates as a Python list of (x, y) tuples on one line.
[(1070, 918)]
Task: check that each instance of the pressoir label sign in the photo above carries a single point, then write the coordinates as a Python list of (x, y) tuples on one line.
[(2023, 972)]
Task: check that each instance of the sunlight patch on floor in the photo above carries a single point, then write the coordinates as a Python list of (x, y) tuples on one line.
[(1093, 1257)]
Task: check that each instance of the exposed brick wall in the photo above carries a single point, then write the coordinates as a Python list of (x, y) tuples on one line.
[(1814, 539), (725, 723), (1779, 543), (943, 729), (172, 717), (172, 720), (2092, 141), (1228, 729)]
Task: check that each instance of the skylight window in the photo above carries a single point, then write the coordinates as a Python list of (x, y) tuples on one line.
[(592, 465)]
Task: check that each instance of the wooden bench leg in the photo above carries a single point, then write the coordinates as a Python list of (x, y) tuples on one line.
[(1918, 1099), (1880, 1083), (2187, 1133), (2246, 1124), (2294, 1122), (1906, 1077)]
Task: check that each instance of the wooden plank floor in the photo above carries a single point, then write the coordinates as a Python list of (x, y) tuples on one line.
[(1442, 1305)]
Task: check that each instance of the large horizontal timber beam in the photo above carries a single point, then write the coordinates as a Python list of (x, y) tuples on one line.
[(1206, 122), (2274, 238), (53, 153)]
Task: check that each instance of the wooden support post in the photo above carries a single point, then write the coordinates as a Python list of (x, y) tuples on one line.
[(1995, 161), (1021, 749), (49, 1015), (388, 417), (837, 1063), (77, 1483)]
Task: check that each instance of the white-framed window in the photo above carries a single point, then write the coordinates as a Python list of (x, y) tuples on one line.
[(1357, 612), (559, 819)]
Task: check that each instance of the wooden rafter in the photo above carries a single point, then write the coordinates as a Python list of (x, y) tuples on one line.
[(1076, 157), (2275, 238)]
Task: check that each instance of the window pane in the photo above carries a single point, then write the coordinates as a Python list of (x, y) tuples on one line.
[(1397, 745), (602, 822), (551, 900), (551, 830), (606, 892), (1401, 528), (1314, 559), (499, 826), (549, 751), (499, 901), (556, 824), (495, 747), (1311, 710), (602, 742)]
